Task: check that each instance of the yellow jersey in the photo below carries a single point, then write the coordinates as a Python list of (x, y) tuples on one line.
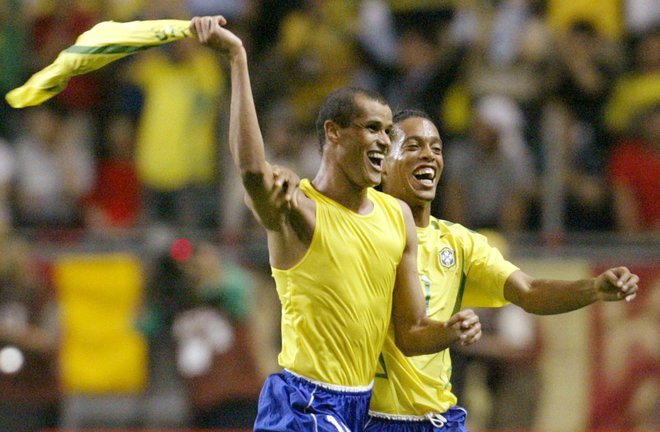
[(337, 301), (104, 43), (176, 136), (457, 268)]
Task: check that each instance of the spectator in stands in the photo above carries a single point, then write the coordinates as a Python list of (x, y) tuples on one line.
[(13, 58), (317, 51), (115, 201), (29, 376), (634, 173), (176, 144), (501, 177), (587, 64), (639, 86), (576, 168), (575, 141), (512, 56), (428, 60), (217, 348), (504, 364), (197, 316), (54, 169), (7, 173), (165, 296)]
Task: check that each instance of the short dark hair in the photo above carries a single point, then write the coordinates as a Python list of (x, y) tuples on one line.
[(340, 107), (410, 113)]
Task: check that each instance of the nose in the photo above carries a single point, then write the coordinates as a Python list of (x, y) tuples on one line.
[(426, 152), (384, 140), (384, 136)]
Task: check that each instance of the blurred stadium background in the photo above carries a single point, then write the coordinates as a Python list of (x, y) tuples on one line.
[(111, 191)]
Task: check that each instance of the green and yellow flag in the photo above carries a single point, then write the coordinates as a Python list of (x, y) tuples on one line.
[(102, 44)]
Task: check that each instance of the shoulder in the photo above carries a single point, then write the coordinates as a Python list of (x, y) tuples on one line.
[(469, 240), (384, 199), (452, 228)]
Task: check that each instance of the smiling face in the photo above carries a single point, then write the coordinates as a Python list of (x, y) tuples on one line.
[(362, 145), (414, 163)]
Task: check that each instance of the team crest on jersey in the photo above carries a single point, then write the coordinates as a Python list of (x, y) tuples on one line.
[(447, 257)]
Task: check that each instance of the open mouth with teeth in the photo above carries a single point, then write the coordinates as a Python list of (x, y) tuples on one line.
[(376, 158), (425, 175)]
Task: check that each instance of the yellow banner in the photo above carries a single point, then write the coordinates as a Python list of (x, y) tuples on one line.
[(99, 298)]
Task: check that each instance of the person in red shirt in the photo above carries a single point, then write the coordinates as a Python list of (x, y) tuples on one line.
[(634, 172), (115, 201)]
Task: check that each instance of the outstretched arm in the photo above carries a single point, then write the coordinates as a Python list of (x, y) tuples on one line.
[(245, 139), (414, 332), (550, 296)]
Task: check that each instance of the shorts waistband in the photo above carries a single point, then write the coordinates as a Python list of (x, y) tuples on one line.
[(332, 387), (414, 418), (397, 417)]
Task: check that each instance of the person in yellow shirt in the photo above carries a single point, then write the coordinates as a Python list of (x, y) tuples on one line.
[(182, 85), (342, 254), (457, 268)]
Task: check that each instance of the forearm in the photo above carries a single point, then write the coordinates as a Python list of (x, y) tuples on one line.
[(427, 337), (549, 296), (245, 140)]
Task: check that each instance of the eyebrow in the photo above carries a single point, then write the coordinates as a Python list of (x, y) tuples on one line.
[(421, 138)]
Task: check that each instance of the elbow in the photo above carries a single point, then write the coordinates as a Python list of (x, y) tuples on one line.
[(528, 307), (409, 345), (405, 347), (252, 176), (519, 290), (531, 306)]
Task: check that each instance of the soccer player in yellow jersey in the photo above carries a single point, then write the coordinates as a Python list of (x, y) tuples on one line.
[(343, 256), (457, 268)]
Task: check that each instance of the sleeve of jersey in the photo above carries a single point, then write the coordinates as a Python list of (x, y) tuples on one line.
[(102, 44), (486, 271)]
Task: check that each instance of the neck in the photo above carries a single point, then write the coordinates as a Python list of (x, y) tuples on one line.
[(422, 214), (339, 189)]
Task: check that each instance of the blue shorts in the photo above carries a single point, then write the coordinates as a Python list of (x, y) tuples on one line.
[(451, 421), (289, 402)]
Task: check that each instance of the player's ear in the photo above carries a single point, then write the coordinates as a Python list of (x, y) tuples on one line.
[(331, 130)]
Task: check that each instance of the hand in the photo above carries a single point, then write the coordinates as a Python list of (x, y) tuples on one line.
[(616, 284), (285, 186), (210, 31), (467, 326)]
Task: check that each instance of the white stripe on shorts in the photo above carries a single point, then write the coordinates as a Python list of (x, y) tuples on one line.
[(334, 387)]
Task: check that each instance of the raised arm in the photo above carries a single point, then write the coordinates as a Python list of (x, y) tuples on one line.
[(551, 296), (414, 332), (245, 139)]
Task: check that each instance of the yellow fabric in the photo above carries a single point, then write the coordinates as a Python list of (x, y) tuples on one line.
[(631, 96), (605, 15), (99, 298), (336, 302), (102, 44), (457, 269), (176, 137), (322, 51), (456, 111), (420, 5)]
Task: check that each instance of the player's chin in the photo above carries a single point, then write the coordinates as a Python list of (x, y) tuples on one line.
[(374, 178), (423, 193)]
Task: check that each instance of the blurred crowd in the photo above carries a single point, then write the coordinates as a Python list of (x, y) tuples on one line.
[(549, 111)]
